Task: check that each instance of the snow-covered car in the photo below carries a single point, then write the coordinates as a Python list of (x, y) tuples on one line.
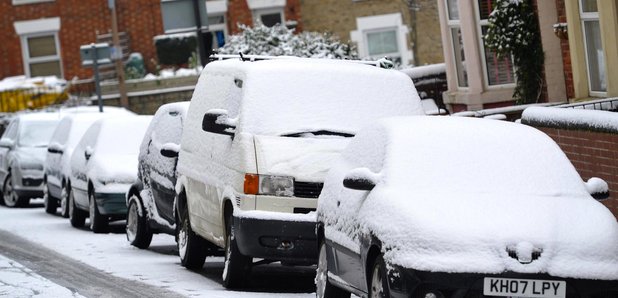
[(22, 154), (103, 167), (460, 207), (257, 143), (150, 200), (58, 160)]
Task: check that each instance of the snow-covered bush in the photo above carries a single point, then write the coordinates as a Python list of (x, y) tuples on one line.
[(281, 41), (514, 31)]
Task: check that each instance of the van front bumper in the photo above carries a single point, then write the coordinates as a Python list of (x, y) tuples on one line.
[(276, 239)]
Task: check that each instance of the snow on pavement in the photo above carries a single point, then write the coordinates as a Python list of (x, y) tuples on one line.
[(158, 266), (19, 281)]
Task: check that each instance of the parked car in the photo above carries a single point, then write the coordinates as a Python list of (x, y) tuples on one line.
[(501, 212), (150, 200), (257, 142), (103, 167), (22, 153), (58, 159)]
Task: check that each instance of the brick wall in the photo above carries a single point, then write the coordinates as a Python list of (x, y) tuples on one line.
[(80, 21), (594, 154), (566, 52)]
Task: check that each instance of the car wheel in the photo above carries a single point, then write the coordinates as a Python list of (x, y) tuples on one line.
[(76, 217), (324, 289), (378, 284), (98, 222), (64, 202), (191, 247), (236, 267), (138, 231), (50, 203), (11, 199)]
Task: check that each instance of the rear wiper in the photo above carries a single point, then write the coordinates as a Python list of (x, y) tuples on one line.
[(318, 133)]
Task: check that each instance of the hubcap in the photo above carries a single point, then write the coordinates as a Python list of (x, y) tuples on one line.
[(63, 202), (91, 211), (377, 289), (71, 206), (182, 238), (9, 196), (321, 274), (132, 218), (45, 196)]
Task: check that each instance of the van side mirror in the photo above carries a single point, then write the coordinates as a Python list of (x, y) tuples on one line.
[(7, 143), (55, 148), (169, 150), (598, 188), (217, 121), (88, 152), (361, 179)]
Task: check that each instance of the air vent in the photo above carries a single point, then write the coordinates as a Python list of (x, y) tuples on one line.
[(307, 189)]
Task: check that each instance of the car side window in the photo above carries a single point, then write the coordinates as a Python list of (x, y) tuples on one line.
[(61, 133), (11, 131), (168, 129)]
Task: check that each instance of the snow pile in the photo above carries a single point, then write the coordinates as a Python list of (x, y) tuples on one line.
[(173, 73), (425, 71), (50, 83), (431, 214), (562, 117)]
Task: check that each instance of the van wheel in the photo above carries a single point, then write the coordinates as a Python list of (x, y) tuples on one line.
[(191, 247), (76, 217), (324, 289), (64, 202), (237, 266), (378, 284), (11, 199), (50, 203), (98, 222), (138, 231)]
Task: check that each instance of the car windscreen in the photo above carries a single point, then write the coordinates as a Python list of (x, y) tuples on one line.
[(36, 133)]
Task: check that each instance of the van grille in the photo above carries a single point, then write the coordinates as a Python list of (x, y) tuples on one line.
[(307, 189)]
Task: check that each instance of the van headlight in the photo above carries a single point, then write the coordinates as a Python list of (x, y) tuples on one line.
[(281, 186)]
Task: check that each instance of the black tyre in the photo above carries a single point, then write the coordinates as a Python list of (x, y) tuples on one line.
[(237, 266), (138, 231), (51, 204), (11, 199), (324, 289), (378, 283), (64, 202), (76, 217), (98, 222), (191, 247)]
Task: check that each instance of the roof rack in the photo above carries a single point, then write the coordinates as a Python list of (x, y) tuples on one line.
[(385, 62)]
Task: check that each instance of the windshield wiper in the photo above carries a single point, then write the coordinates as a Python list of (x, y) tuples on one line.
[(318, 133)]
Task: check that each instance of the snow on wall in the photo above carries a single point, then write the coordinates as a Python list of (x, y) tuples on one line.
[(424, 71), (575, 118)]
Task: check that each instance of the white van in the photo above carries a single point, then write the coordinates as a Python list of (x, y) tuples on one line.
[(258, 141)]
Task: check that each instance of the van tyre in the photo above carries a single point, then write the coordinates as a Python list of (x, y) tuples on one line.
[(191, 247), (50, 203), (98, 222), (76, 217), (324, 289), (237, 266), (378, 283), (11, 199), (138, 231)]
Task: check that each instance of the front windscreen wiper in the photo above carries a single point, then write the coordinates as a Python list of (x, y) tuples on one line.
[(317, 133)]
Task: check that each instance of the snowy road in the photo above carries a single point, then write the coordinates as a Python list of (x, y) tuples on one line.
[(105, 265)]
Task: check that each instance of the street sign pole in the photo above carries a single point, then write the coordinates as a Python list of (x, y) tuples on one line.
[(97, 85)]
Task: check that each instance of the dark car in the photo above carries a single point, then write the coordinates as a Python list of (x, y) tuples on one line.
[(150, 200), (501, 213)]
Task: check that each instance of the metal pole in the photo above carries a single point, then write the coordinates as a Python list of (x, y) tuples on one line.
[(97, 87), (200, 36), (124, 101)]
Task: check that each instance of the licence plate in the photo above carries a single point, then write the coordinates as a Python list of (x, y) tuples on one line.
[(507, 287)]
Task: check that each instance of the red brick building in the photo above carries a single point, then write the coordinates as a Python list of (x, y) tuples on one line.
[(42, 37)]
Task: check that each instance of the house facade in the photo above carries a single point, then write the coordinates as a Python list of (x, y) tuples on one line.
[(42, 37), (407, 31)]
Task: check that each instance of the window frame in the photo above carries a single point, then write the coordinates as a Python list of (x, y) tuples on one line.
[(479, 28), (588, 17), (258, 13), (27, 60), (391, 55), (23, 2), (218, 27), (456, 24)]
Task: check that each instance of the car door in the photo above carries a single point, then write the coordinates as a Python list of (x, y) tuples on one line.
[(161, 170), (80, 165)]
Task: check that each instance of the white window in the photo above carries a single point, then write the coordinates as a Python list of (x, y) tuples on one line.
[(18, 2), (40, 47), (217, 24), (595, 58), (459, 56), (268, 12), (497, 71), (382, 36)]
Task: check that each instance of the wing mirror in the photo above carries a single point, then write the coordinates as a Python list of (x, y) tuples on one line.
[(169, 150), (217, 121), (361, 179), (598, 188), (7, 143), (55, 148), (88, 152)]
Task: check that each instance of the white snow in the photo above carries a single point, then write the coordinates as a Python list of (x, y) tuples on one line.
[(49, 83), (425, 70), (259, 214), (596, 185), (19, 281), (603, 120), (457, 202)]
